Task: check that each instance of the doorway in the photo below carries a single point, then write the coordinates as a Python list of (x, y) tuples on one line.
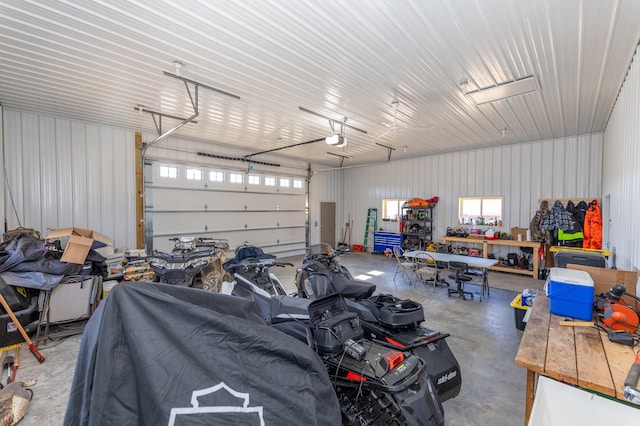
[(328, 223)]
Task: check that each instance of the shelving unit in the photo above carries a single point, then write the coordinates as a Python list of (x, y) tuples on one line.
[(417, 227), (486, 249)]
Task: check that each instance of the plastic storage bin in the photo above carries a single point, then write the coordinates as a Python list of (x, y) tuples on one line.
[(571, 293), (519, 311)]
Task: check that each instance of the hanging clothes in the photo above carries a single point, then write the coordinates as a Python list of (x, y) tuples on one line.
[(558, 218), (537, 233), (593, 227), (579, 211)]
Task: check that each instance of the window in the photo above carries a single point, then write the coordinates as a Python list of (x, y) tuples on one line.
[(235, 177), (269, 181), (297, 183), (168, 172), (194, 174), (216, 176), (480, 210), (285, 182), (391, 208), (253, 180)]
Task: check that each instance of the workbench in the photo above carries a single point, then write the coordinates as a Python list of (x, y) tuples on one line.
[(486, 249), (581, 356)]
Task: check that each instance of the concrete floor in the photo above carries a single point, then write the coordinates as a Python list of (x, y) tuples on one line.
[(483, 339)]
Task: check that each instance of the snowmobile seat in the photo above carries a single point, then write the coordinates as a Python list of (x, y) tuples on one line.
[(288, 308), (352, 288)]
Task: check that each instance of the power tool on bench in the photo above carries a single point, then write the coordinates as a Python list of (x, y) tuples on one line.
[(614, 313)]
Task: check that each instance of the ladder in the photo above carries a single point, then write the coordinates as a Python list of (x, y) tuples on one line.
[(371, 226)]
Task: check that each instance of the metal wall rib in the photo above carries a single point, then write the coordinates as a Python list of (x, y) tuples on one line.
[(621, 173), (62, 173)]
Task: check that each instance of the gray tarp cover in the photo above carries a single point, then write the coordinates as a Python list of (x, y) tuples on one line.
[(156, 354), (32, 265)]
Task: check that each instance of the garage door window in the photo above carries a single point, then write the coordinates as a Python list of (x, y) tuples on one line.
[(168, 172), (285, 183), (235, 178), (194, 174), (269, 181), (297, 183), (254, 180), (216, 176)]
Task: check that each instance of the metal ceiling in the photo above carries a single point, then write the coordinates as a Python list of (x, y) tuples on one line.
[(97, 61)]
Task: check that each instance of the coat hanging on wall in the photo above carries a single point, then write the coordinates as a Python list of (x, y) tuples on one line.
[(593, 227)]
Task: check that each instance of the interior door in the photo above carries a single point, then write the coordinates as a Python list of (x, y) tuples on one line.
[(328, 223)]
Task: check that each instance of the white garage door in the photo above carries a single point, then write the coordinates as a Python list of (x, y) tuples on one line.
[(262, 209)]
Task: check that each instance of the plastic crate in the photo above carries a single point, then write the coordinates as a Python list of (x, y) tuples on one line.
[(519, 311)]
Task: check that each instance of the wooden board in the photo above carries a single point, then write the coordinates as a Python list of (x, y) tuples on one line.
[(561, 354), (533, 346), (591, 361), (620, 358)]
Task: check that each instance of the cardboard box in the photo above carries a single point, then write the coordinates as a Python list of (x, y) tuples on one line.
[(76, 242), (519, 231), (604, 279), (571, 293)]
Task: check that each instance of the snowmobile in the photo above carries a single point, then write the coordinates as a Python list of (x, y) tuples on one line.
[(385, 319), (375, 384), (251, 266)]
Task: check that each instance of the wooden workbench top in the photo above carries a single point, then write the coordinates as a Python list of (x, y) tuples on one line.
[(581, 356)]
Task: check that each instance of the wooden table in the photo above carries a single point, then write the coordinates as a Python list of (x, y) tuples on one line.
[(581, 356), (486, 249), (474, 262)]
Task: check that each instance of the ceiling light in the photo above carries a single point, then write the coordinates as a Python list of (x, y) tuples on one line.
[(337, 140), (178, 66), (504, 91)]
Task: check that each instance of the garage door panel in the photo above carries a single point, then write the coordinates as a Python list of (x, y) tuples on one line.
[(181, 200), (164, 223)]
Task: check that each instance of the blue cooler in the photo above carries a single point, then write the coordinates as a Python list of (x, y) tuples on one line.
[(570, 293)]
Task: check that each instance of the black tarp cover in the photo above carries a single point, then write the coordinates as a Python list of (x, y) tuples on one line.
[(156, 354)]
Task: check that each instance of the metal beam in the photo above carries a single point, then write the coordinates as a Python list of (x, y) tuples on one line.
[(331, 120)]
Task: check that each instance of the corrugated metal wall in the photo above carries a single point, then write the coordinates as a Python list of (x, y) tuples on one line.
[(621, 173), (62, 173), (522, 173)]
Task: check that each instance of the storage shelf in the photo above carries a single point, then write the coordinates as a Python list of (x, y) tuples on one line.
[(422, 217)]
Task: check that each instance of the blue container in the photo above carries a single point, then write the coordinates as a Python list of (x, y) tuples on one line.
[(570, 293)]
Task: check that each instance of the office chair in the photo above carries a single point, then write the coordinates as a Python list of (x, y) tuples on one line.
[(458, 269)]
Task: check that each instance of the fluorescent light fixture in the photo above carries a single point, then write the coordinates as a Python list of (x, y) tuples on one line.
[(503, 91), (337, 140)]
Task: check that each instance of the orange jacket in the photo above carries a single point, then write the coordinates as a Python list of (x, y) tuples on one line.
[(593, 227)]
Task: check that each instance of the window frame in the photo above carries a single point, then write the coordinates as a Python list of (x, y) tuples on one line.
[(168, 168), (400, 202), (472, 219), (216, 172), (196, 173), (235, 175)]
